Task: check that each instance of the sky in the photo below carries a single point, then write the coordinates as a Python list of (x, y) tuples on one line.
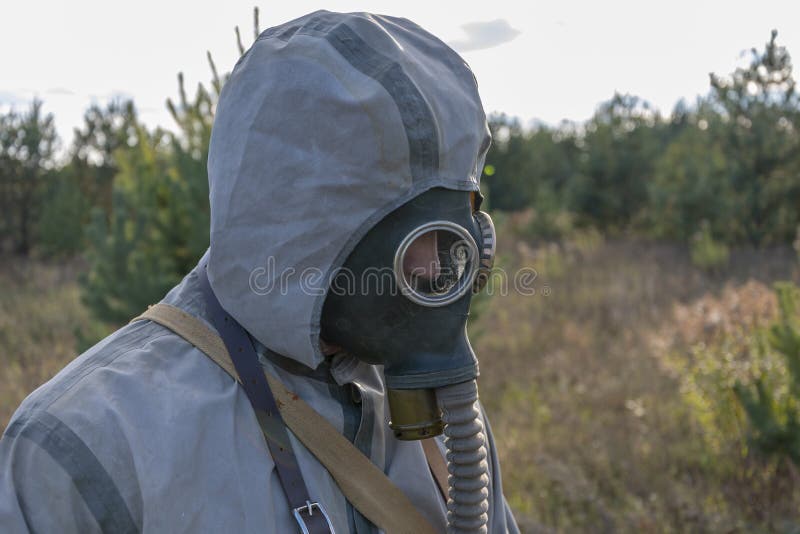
[(548, 61)]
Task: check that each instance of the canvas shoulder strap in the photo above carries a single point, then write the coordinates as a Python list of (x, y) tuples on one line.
[(367, 488)]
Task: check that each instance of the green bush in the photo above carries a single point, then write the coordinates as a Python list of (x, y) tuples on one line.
[(707, 253), (60, 230), (157, 231), (772, 401), (738, 385), (550, 221)]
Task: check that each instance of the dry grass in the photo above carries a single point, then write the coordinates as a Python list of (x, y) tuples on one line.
[(40, 313), (595, 430)]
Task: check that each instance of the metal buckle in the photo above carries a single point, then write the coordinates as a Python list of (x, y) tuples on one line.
[(309, 508)]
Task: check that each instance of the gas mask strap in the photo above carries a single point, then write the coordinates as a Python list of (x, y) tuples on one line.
[(310, 516)]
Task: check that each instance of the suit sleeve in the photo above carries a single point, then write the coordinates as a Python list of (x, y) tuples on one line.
[(50, 481)]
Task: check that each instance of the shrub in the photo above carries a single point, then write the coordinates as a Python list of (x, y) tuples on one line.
[(772, 401), (707, 253)]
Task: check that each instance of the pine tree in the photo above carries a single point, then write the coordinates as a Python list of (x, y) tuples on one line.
[(761, 109), (27, 148), (772, 410), (158, 223)]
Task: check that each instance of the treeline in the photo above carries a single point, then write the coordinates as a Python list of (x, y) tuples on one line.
[(729, 163), (134, 201)]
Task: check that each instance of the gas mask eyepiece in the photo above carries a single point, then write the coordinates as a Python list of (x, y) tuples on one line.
[(435, 263)]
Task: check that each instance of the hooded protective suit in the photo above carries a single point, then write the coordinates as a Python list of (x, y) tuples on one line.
[(327, 124)]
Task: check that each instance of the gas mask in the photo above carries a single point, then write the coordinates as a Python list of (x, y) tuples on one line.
[(401, 300)]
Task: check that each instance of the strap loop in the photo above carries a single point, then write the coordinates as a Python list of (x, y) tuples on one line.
[(309, 507)]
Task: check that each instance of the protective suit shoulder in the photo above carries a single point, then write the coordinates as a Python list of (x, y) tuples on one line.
[(50, 477), (71, 456)]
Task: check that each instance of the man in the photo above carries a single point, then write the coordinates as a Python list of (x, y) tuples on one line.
[(343, 145)]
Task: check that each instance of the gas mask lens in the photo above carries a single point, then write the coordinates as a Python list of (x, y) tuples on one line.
[(435, 264)]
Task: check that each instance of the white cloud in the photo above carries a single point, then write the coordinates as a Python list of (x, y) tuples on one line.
[(482, 35), (61, 91)]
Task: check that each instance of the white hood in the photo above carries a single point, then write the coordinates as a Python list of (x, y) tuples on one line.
[(328, 123)]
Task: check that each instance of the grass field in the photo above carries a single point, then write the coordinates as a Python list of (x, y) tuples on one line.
[(601, 395), (40, 318), (608, 389)]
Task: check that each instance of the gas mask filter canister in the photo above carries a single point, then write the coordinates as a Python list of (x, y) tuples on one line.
[(401, 300)]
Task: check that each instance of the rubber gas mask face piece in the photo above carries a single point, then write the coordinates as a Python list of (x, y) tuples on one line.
[(402, 297), (401, 300)]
